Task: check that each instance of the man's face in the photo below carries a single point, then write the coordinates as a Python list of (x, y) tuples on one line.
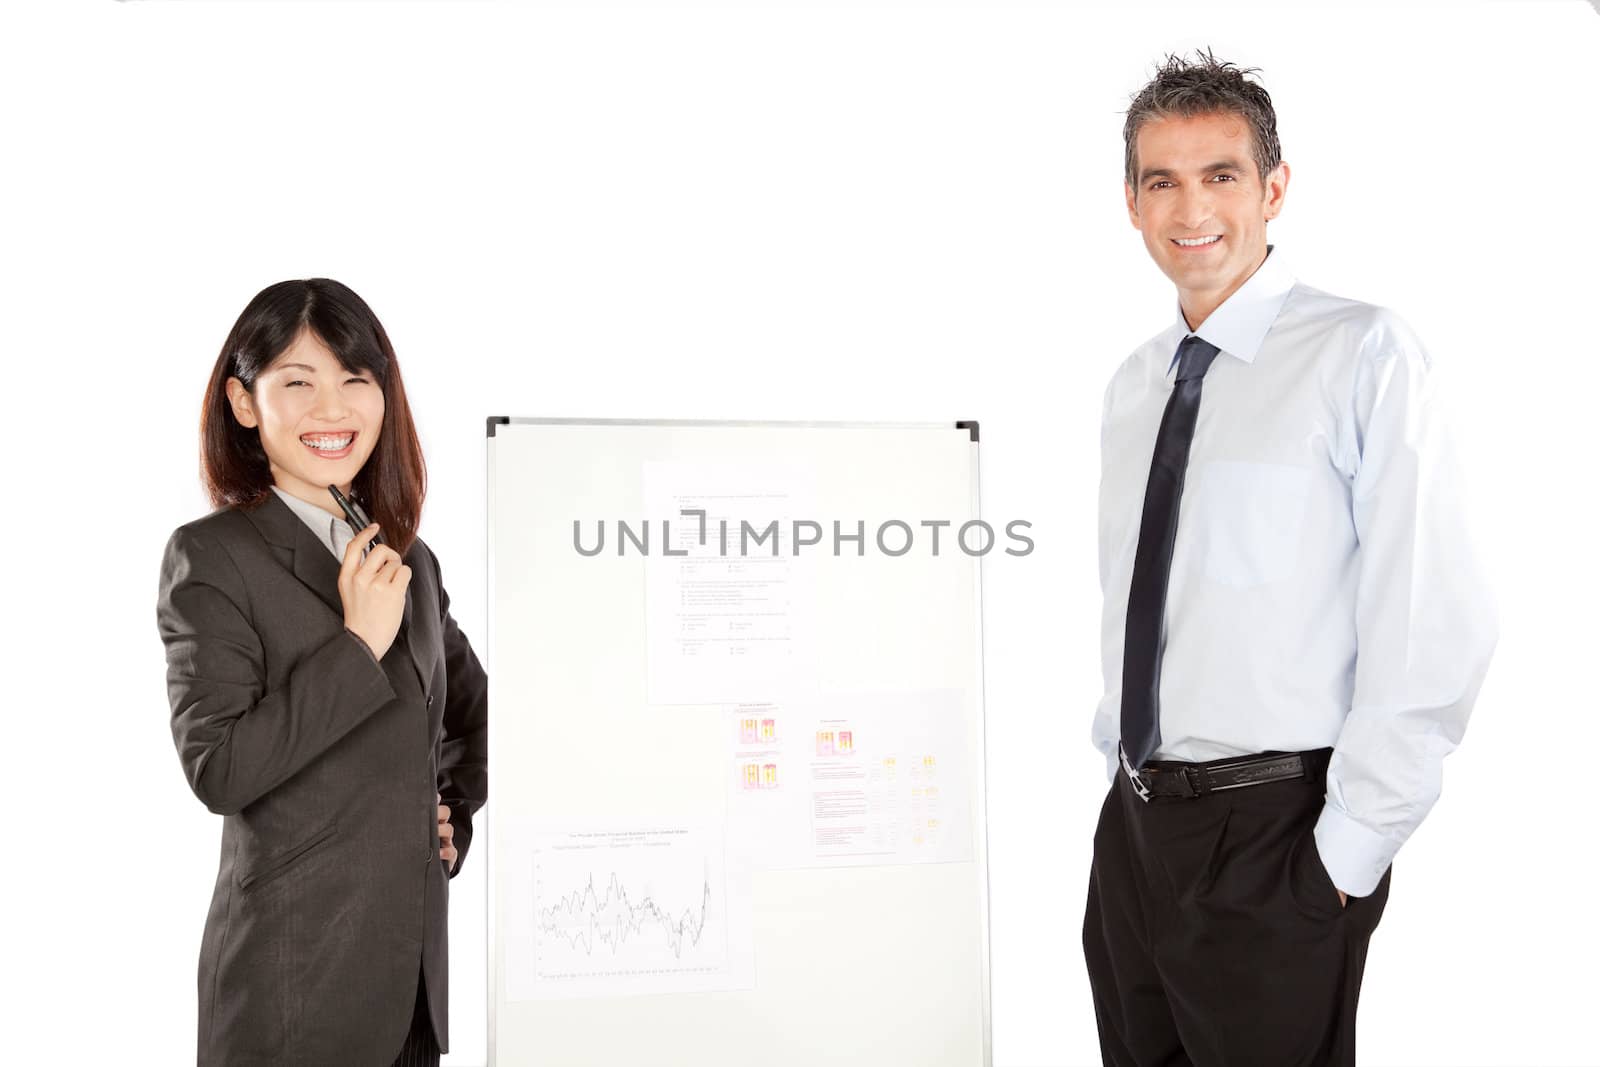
[(1197, 179), (301, 401)]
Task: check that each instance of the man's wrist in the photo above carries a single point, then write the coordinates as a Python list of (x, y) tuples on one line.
[(1354, 855)]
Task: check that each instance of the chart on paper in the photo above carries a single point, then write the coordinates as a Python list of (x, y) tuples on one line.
[(614, 911)]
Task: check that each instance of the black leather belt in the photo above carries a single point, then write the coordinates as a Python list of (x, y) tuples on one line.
[(1171, 778)]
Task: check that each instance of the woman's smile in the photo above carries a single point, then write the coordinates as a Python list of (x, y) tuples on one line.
[(330, 445)]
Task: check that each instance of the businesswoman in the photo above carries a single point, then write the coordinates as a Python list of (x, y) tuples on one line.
[(324, 702)]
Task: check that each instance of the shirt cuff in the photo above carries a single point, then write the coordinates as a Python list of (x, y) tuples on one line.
[(1354, 856)]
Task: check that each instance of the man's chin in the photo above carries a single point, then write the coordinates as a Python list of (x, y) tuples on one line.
[(1194, 276)]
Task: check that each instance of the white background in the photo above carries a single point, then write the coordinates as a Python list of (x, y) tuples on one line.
[(846, 212)]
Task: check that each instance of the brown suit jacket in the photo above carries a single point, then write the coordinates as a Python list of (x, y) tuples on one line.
[(323, 763)]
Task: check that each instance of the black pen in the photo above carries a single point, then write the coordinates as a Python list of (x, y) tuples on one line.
[(353, 512)]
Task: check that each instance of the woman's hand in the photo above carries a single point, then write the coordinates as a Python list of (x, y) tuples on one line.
[(447, 833), (373, 591)]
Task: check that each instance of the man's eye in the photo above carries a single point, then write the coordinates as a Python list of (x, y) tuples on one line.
[(1159, 184)]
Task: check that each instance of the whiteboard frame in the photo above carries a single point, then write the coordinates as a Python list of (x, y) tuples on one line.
[(979, 798)]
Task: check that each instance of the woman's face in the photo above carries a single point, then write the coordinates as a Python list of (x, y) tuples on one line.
[(302, 402)]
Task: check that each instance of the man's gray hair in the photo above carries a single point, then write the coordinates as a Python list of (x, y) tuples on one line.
[(1203, 87)]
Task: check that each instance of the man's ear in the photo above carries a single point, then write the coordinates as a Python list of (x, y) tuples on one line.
[(1133, 200), (239, 397), (1277, 188)]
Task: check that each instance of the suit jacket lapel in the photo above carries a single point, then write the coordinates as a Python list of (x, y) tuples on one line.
[(302, 553)]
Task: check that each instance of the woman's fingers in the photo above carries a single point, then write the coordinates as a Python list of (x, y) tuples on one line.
[(382, 563), (352, 551), (378, 557), (447, 835)]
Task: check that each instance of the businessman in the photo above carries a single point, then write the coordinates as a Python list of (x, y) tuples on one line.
[(1295, 626)]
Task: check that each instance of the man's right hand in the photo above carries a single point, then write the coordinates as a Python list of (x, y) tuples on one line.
[(373, 591)]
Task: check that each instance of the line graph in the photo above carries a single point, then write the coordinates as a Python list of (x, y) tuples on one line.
[(608, 919), (628, 905)]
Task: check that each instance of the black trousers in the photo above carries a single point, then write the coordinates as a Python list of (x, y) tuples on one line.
[(1213, 934), (420, 1048)]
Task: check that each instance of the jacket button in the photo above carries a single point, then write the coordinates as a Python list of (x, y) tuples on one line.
[(430, 700)]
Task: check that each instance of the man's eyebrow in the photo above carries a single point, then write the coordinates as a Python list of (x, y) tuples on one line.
[(1162, 172)]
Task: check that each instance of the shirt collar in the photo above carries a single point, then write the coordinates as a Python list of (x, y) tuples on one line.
[(320, 521), (1241, 323)]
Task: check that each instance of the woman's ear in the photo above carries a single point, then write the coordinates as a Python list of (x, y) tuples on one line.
[(239, 397)]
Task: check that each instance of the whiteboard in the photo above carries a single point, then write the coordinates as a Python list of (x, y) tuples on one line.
[(737, 790)]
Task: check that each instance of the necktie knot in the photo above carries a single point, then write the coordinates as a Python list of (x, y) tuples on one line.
[(1194, 357)]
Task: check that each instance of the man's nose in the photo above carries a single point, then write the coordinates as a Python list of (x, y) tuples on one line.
[(1195, 209)]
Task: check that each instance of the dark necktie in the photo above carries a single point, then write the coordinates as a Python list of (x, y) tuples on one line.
[(1145, 634)]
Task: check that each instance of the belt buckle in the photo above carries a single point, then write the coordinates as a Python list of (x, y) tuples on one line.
[(1140, 790)]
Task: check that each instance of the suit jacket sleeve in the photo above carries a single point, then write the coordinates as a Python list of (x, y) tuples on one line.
[(236, 739), (464, 749)]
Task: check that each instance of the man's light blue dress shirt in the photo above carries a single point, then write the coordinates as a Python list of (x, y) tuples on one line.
[(1325, 589)]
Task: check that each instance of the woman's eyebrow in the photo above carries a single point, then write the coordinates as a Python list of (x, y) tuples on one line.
[(307, 368)]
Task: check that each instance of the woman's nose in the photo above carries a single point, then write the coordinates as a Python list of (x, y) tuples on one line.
[(330, 410)]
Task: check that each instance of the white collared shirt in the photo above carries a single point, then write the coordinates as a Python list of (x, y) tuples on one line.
[(1321, 514), (332, 530)]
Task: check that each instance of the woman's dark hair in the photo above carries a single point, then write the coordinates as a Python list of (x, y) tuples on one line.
[(1203, 87), (233, 465)]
